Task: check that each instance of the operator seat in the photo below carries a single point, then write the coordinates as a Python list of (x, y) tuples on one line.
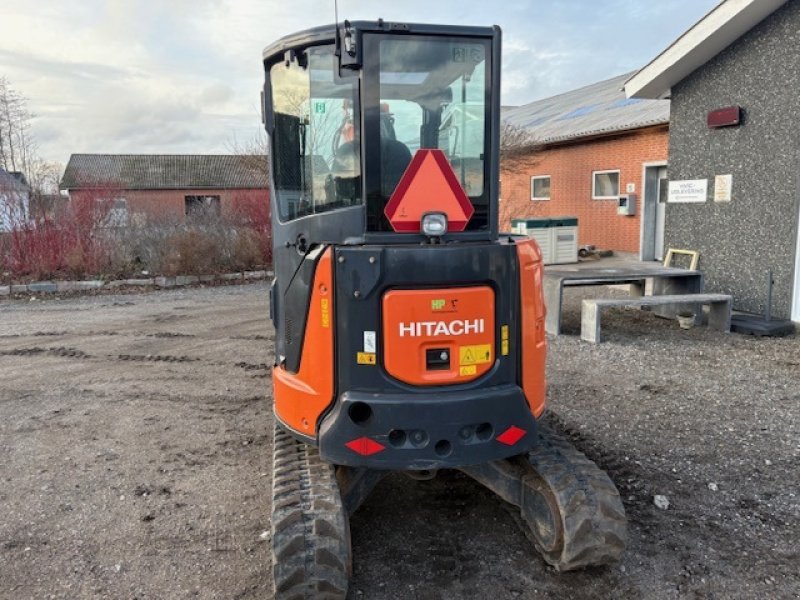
[(344, 182), (395, 155), (395, 158)]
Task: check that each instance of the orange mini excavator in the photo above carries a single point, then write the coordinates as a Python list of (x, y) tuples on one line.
[(409, 332)]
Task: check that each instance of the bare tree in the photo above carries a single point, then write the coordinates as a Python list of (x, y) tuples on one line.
[(518, 149), (254, 152), (516, 144), (43, 178), (17, 148)]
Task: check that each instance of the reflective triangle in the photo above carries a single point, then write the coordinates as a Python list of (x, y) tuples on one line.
[(428, 185)]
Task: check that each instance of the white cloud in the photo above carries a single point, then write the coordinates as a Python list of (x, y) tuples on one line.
[(184, 75)]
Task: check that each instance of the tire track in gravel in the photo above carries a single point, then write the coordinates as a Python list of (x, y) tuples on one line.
[(255, 370), (157, 358), (62, 351)]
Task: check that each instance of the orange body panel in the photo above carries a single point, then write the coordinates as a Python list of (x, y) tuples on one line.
[(300, 398), (458, 320), (534, 342)]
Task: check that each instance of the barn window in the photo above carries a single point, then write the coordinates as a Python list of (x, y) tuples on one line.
[(114, 212), (202, 206)]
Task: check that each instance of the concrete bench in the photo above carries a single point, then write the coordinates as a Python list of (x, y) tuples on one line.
[(719, 316), (665, 281)]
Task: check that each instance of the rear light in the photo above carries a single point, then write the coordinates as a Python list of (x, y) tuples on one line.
[(365, 446), (434, 224)]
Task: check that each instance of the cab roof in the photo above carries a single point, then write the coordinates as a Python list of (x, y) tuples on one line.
[(326, 33)]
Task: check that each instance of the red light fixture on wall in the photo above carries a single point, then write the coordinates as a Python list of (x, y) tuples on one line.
[(729, 116)]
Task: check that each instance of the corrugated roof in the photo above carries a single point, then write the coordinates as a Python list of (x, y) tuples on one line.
[(163, 171), (596, 109)]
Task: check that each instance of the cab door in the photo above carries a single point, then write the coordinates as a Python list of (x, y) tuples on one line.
[(312, 118)]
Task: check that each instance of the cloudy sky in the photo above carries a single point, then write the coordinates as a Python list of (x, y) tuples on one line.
[(183, 76)]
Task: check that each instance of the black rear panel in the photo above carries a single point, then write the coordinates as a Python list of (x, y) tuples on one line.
[(363, 274)]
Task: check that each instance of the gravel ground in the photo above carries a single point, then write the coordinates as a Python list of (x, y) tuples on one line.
[(134, 461)]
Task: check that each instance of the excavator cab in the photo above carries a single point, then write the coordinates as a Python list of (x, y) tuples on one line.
[(409, 334)]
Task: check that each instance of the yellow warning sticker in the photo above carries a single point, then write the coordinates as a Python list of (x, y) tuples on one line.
[(504, 347), (504, 332), (468, 370), (504, 340), (475, 355), (365, 358), (326, 312)]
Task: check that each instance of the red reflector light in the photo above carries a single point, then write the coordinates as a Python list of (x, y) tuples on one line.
[(511, 436), (365, 446)]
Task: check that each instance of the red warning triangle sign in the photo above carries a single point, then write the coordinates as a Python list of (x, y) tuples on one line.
[(428, 184)]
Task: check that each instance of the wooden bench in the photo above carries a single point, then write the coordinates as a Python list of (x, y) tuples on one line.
[(719, 316)]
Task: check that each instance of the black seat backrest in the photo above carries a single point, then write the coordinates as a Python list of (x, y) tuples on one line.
[(395, 158)]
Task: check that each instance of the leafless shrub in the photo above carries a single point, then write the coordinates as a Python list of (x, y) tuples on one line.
[(192, 252), (69, 247), (246, 252)]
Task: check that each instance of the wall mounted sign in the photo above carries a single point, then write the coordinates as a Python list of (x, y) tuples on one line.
[(725, 117), (690, 190), (722, 188)]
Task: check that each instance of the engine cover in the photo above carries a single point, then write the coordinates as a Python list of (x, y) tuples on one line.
[(439, 336)]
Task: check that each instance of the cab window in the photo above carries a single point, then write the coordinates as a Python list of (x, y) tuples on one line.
[(315, 144)]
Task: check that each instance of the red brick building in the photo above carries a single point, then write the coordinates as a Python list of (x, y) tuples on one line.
[(169, 187), (594, 145)]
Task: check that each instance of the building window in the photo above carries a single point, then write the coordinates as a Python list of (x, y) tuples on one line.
[(540, 187), (605, 185), (115, 212), (202, 206)]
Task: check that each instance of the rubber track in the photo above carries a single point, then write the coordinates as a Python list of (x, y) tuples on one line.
[(592, 517), (311, 555)]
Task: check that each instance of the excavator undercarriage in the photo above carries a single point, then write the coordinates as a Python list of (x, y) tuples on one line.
[(570, 509)]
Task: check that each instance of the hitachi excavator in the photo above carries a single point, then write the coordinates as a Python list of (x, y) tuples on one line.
[(409, 333)]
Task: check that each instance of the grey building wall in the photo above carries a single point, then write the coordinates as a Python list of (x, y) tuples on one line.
[(739, 241)]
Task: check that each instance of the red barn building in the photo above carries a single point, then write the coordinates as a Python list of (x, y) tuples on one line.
[(593, 146), (169, 187)]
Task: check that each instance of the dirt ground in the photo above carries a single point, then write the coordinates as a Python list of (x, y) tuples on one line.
[(134, 461)]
